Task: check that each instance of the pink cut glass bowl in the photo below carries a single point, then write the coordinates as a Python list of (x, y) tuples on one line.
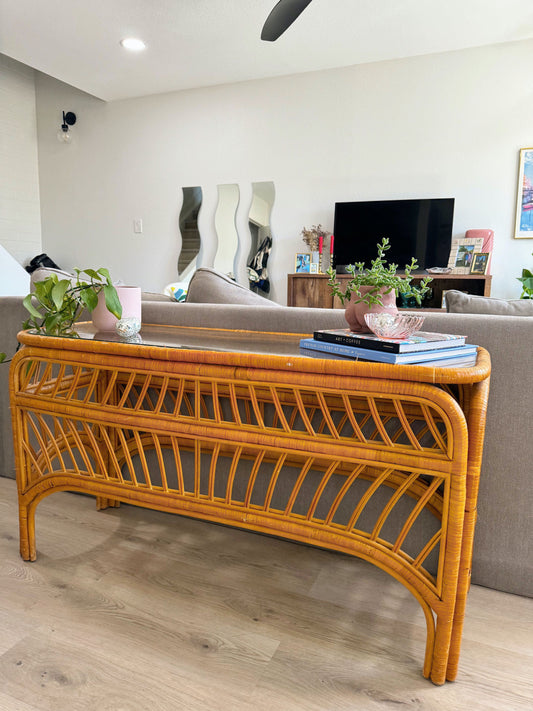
[(398, 326)]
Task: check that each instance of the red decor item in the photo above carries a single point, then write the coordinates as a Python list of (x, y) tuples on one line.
[(320, 244), (331, 245)]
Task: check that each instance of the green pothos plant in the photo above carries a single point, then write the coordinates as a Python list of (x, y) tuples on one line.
[(56, 304), (527, 283), (381, 277)]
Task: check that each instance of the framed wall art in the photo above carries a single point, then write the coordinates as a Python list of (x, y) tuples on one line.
[(524, 197)]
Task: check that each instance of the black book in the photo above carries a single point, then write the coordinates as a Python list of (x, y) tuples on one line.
[(419, 341)]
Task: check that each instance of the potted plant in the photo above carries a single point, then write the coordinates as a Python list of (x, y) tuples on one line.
[(56, 304), (314, 238), (375, 289), (527, 284)]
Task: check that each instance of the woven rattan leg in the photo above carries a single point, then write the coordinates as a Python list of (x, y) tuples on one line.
[(104, 503), (442, 647), (27, 531)]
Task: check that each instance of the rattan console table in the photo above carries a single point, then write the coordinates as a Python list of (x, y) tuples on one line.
[(378, 461)]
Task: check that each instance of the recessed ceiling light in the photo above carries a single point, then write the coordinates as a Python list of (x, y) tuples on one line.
[(133, 44)]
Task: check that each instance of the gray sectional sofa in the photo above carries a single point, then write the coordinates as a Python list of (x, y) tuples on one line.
[(503, 551)]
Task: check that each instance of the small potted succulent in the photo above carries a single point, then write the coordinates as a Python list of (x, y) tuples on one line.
[(56, 303), (375, 289)]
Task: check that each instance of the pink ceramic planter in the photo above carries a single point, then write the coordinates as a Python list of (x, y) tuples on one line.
[(354, 313), (129, 297)]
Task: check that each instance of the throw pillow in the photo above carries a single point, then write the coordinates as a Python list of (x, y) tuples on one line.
[(211, 287), (459, 303)]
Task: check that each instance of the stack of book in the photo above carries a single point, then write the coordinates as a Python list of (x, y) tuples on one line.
[(430, 349)]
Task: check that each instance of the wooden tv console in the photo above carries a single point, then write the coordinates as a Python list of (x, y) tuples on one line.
[(312, 290), (244, 428)]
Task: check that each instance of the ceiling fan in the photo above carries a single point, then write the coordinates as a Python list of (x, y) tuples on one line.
[(281, 17)]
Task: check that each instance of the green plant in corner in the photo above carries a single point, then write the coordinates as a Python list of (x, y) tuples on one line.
[(381, 277), (527, 283), (56, 304)]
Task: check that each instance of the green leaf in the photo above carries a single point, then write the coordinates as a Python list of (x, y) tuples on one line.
[(112, 301), (28, 305), (58, 292), (92, 273), (90, 298)]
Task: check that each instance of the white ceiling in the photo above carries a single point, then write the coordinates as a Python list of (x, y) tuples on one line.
[(193, 43)]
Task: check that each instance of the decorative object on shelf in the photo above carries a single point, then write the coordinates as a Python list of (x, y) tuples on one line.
[(440, 270), (375, 289), (314, 239), (56, 304), (527, 283), (302, 263), (480, 262), (488, 241), (130, 299), (461, 253), (128, 327), (524, 198), (64, 135), (394, 326)]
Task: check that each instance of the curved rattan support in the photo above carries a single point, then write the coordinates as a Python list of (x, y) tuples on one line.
[(353, 458)]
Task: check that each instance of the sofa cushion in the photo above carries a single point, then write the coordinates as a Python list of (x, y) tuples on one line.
[(42, 273), (458, 302), (154, 296), (211, 287)]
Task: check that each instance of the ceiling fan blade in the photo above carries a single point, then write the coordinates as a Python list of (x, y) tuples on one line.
[(281, 17)]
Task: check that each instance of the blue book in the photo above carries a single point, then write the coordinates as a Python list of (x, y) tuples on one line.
[(461, 352)]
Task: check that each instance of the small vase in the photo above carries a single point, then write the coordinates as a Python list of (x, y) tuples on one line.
[(354, 313), (129, 297)]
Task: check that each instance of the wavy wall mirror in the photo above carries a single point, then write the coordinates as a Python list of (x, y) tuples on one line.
[(263, 194), (226, 229), (188, 224)]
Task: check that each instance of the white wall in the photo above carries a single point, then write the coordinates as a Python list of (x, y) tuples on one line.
[(20, 219), (446, 125)]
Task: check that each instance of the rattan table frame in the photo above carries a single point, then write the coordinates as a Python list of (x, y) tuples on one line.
[(89, 414)]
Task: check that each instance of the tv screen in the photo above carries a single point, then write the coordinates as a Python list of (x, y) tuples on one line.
[(415, 228)]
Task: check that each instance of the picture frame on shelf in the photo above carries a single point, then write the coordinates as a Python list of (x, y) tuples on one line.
[(302, 263), (313, 268), (524, 196), (480, 263), (462, 252)]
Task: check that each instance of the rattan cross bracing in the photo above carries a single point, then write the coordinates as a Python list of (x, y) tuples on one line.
[(373, 460)]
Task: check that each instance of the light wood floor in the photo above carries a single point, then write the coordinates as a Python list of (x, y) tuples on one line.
[(129, 609)]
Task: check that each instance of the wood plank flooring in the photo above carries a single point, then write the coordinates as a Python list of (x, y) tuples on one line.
[(129, 609)]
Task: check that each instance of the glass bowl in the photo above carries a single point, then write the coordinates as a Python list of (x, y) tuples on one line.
[(398, 326)]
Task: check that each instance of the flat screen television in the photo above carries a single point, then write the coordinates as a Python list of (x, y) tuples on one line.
[(415, 228)]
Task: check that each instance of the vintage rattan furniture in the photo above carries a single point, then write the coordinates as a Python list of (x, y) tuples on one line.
[(378, 461)]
